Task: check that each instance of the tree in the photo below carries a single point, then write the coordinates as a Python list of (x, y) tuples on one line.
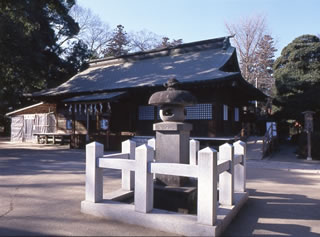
[(119, 43), (30, 53), (297, 78), (144, 40), (264, 67), (93, 32), (77, 57), (254, 46), (166, 42)]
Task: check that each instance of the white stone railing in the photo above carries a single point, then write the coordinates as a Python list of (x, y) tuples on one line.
[(225, 169)]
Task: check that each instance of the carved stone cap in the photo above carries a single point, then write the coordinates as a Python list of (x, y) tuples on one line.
[(172, 96)]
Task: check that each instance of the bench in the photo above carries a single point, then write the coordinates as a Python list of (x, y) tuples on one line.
[(45, 137)]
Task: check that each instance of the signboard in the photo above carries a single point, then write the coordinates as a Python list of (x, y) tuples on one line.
[(29, 116), (273, 132)]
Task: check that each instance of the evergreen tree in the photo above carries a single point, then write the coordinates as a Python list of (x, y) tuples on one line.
[(119, 43), (31, 56), (297, 78), (263, 68)]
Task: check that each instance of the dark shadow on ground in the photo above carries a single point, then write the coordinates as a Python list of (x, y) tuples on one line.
[(274, 206), (19, 161), (17, 232)]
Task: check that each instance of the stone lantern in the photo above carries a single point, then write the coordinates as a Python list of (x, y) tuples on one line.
[(172, 135), (308, 128)]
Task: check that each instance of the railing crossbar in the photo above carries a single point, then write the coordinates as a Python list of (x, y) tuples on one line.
[(223, 166), (118, 155), (115, 163), (238, 159), (174, 169)]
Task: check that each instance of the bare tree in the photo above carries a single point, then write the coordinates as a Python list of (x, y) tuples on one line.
[(248, 33), (103, 41), (93, 32), (144, 40)]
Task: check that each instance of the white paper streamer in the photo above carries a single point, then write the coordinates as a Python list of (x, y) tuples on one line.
[(95, 109)]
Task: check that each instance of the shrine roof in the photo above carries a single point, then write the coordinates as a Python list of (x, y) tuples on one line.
[(207, 61)]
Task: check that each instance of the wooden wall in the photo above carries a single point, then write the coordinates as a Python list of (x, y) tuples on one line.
[(124, 123)]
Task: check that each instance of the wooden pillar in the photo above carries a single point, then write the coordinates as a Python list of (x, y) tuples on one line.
[(88, 124)]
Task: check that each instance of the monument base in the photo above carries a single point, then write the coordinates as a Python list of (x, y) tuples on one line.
[(176, 199)]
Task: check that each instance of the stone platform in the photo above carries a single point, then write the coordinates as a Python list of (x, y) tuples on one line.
[(181, 224)]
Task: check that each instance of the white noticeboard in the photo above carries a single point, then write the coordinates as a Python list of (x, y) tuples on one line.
[(274, 129)]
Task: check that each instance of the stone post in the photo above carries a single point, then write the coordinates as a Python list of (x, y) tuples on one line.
[(152, 143), (143, 193), (94, 177), (207, 186), (226, 185), (127, 177), (194, 148), (240, 169)]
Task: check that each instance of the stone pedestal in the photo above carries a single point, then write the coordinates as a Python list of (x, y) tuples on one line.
[(176, 199), (172, 146)]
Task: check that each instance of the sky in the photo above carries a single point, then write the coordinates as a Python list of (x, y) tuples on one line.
[(195, 20)]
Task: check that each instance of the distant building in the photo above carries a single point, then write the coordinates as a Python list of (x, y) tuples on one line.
[(37, 118)]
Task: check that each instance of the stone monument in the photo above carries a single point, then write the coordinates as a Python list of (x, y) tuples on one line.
[(172, 135)]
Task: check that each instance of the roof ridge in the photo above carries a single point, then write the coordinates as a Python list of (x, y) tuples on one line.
[(186, 47)]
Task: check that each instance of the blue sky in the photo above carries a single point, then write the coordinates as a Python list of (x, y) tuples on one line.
[(194, 20)]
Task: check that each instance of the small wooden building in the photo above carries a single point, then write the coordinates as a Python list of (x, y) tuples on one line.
[(108, 102), (37, 118)]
